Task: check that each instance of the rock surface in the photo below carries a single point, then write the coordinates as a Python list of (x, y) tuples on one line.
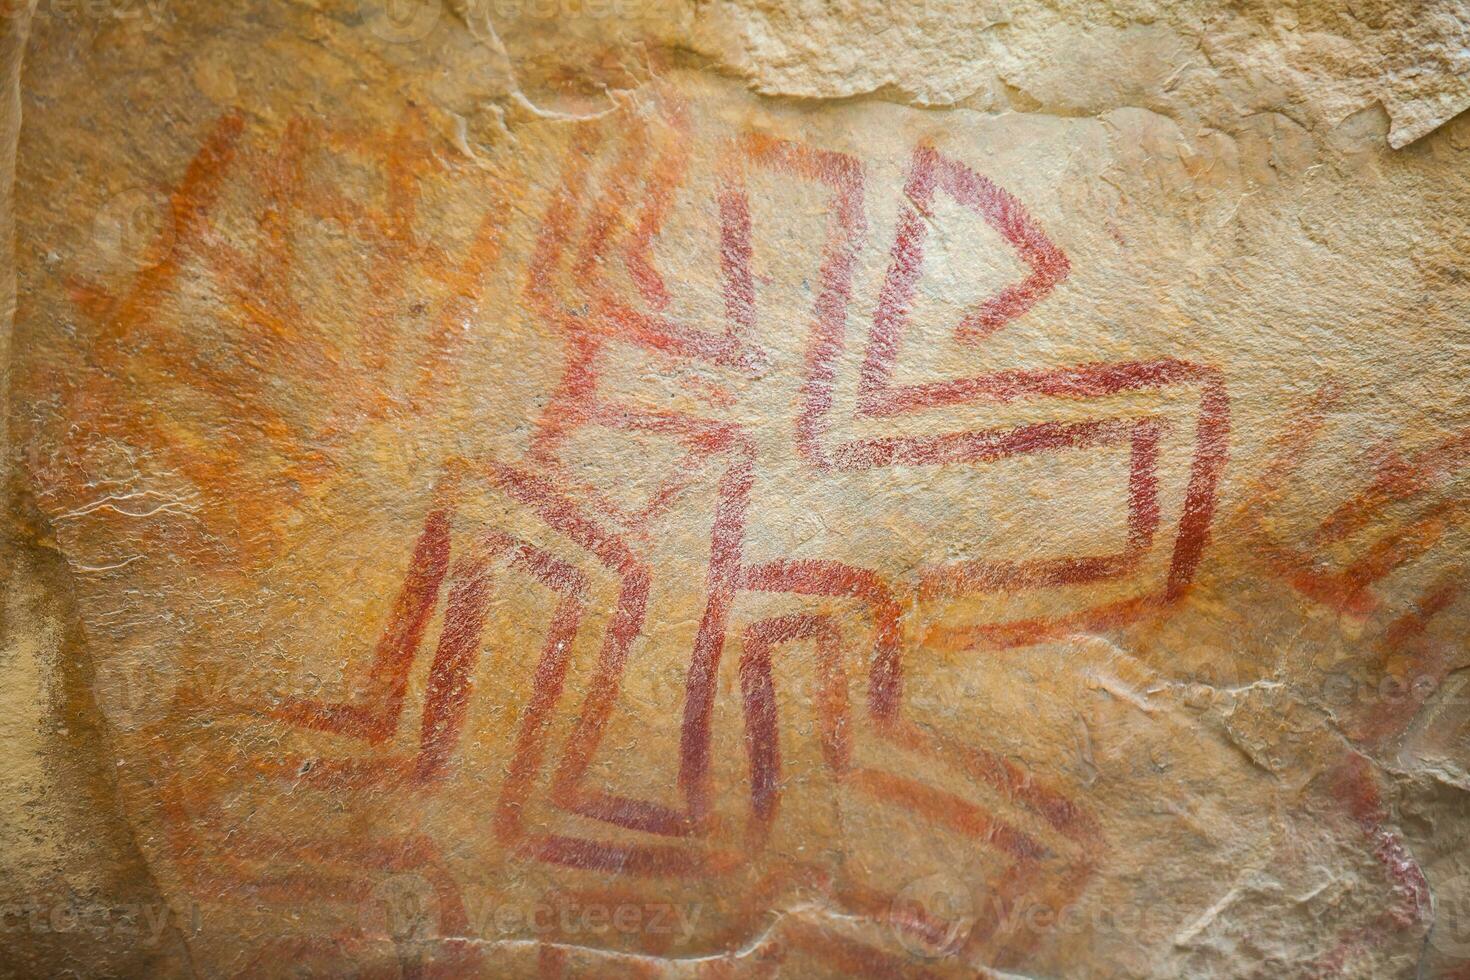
[(565, 488)]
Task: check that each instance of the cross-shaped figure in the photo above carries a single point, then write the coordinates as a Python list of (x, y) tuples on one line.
[(567, 531)]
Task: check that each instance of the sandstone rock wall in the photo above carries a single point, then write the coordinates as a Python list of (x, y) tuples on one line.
[(548, 488)]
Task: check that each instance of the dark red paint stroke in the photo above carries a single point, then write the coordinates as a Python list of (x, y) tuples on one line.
[(658, 195), (735, 249), (1003, 213), (1080, 381), (646, 860), (883, 689), (565, 791), (723, 576), (535, 729), (450, 680), (1006, 215), (571, 403), (625, 625), (575, 401), (895, 298), (402, 854), (832, 578), (564, 516), (707, 435), (1143, 486), (845, 228), (652, 330), (966, 577), (1212, 447), (557, 221), (388, 677), (601, 699), (546, 691), (568, 401), (450, 676), (1349, 590), (846, 231), (723, 579), (762, 739), (608, 212), (1354, 784), (1087, 381), (1029, 632), (1407, 635), (763, 747), (617, 320), (975, 447), (1143, 522), (597, 708), (701, 437), (937, 805)]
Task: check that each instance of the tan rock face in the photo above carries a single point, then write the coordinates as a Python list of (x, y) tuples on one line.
[(534, 504)]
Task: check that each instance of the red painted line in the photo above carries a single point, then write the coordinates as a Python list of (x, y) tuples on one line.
[(762, 737), (949, 810), (451, 676), (387, 679), (1006, 215), (723, 578), (818, 577)]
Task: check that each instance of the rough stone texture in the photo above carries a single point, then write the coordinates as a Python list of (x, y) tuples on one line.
[(738, 489)]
